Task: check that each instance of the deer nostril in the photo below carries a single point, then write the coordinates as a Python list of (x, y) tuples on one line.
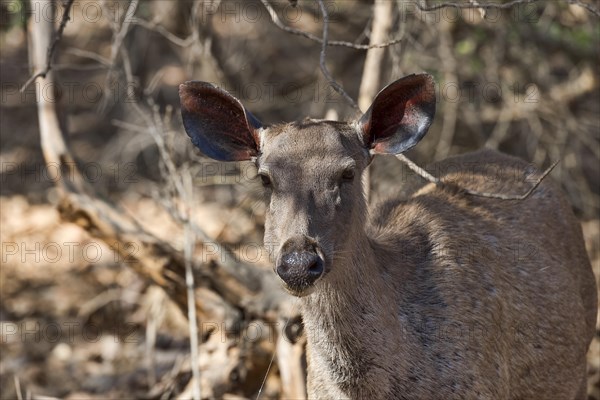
[(300, 269), (316, 268)]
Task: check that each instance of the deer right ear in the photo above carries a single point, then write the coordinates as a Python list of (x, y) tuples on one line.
[(217, 122), (400, 115)]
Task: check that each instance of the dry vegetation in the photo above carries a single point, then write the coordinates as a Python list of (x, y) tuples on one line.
[(93, 285)]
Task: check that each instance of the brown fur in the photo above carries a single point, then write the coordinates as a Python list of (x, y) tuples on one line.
[(454, 296)]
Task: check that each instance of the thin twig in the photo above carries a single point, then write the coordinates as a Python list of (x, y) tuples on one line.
[(484, 6), (57, 36), (197, 48), (183, 187), (152, 26), (513, 197), (420, 171), (120, 36), (438, 182), (89, 54), (188, 254), (18, 387), (294, 304), (500, 6), (336, 86), (52, 138), (275, 19)]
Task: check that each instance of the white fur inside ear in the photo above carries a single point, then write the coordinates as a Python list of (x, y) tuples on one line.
[(261, 136)]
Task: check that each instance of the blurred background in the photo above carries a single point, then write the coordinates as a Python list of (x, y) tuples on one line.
[(86, 313)]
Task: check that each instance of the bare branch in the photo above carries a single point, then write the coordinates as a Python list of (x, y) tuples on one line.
[(51, 136), (122, 32), (275, 19), (18, 387), (336, 86), (420, 171), (89, 54), (183, 186), (188, 253), (50, 52), (513, 197), (500, 6), (438, 182), (152, 26), (119, 34), (483, 6), (294, 304)]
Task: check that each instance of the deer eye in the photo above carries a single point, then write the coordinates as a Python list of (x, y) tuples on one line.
[(348, 175), (266, 181)]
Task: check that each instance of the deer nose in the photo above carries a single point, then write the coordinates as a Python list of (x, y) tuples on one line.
[(300, 269)]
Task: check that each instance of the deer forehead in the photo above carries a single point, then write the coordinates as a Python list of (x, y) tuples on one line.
[(311, 143)]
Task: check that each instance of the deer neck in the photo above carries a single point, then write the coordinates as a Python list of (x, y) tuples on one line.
[(351, 319)]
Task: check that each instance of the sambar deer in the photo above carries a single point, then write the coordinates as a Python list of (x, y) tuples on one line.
[(436, 294)]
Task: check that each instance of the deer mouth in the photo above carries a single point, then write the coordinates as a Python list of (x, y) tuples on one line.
[(299, 292)]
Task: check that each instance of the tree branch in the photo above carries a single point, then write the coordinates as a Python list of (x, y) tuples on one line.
[(336, 86), (500, 6), (484, 6), (50, 52), (513, 197), (438, 182), (275, 19), (161, 30)]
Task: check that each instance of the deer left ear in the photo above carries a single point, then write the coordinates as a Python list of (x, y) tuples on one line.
[(218, 123), (400, 115)]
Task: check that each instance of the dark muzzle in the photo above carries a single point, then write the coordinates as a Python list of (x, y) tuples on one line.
[(300, 264)]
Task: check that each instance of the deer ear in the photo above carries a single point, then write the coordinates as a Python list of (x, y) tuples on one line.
[(400, 115), (217, 122)]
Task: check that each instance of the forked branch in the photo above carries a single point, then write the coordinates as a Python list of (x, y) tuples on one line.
[(336, 86), (50, 52), (275, 19)]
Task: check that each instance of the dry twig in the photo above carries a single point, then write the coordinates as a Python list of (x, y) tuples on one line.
[(438, 182), (183, 186), (275, 19), (152, 26), (336, 86), (500, 6), (483, 6), (50, 51)]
